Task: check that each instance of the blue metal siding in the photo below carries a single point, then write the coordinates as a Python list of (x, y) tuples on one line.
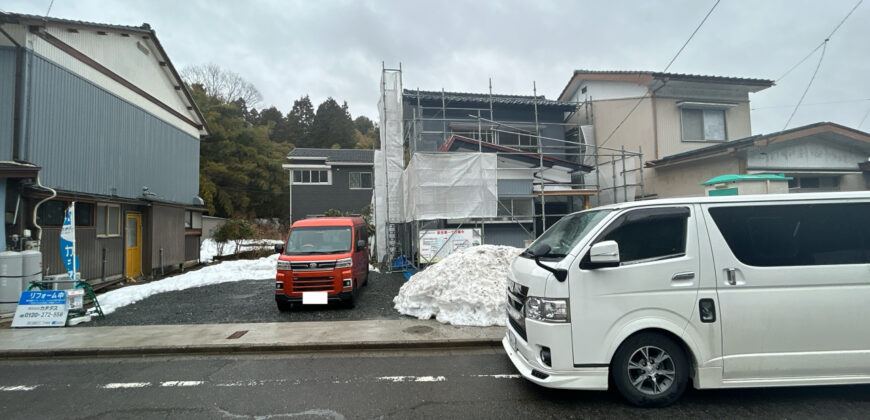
[(7, 101), (88, 140)]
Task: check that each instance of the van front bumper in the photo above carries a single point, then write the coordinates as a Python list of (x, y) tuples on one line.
[(584, 378)]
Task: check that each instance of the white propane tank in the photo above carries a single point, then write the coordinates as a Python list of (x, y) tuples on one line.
[(31, 267), (10, 280)]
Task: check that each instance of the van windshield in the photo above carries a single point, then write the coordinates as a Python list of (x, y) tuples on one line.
[(567, 232), (318, 240)]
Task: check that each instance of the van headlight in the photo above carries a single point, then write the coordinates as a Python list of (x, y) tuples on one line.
[(343, 263), (547, 310), (284, 265)]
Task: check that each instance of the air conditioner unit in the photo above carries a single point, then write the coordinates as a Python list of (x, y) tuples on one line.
[(61, 281)]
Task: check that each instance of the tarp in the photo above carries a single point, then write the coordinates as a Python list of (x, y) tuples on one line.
[(390, 109), (450, 186), (379, 198)]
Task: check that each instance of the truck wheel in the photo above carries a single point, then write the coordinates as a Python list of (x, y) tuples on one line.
[(284, 306), (650, 370)]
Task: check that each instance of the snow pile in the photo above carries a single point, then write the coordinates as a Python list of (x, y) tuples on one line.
[(209, 248), (226, 271), (466, 288)]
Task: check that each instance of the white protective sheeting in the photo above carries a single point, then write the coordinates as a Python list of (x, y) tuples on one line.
[(450, 186), (379, 198), (390, 109)]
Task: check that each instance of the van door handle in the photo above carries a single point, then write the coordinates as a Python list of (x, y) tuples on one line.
[(731, 276), (683, 276)]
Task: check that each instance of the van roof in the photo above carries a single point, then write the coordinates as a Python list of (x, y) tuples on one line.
[(862, 195), (329, 221)]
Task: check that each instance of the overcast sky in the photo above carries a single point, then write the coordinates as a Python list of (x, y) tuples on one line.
[(335, 48)]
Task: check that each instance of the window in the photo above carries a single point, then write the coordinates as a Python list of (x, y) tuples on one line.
[(52, 212), (108, 220), (192, 220), (649, 234), (360, 180), (814, 184), (796, 234), (703, 124), (311, 176)]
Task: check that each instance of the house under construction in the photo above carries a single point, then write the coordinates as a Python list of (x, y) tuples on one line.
[(462, 169)]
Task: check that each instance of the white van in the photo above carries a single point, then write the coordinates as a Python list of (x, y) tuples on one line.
[(725, 292)]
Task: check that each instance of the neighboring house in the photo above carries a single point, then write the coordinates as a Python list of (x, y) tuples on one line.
[(329, 179), (672, 113), (818, 157), (100, 114), (210, 225)]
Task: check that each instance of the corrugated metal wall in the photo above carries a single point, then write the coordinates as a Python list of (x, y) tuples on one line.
[(7, 101), (114, 148), (89, 250), (166, 225)]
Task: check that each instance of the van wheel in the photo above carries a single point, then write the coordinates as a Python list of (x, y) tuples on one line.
[(351, 301), (366, 279), (284, 306), (650, 370)]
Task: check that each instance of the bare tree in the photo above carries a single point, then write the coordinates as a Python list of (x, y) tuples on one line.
[(227, 85)]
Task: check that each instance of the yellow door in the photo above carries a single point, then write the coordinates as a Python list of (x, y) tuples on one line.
[(133, 232)]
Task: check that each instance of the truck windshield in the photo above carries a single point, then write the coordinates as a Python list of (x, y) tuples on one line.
[(567, 232), (318, 240)]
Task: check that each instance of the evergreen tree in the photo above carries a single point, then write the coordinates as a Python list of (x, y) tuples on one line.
[(300, 120), (333, 126)]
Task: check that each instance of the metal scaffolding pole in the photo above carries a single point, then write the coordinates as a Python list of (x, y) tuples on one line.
[(540, 160)]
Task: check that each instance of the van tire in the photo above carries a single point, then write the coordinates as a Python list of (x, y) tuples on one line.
[(284, 306), (366, 279), (351, 301), (660, 384)]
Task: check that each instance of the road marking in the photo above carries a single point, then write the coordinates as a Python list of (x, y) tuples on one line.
[(181, 383), (411, 378), (125, 385), (19, 387), (512, 376)]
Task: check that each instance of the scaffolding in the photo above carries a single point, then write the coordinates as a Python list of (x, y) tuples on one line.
[(545, 168)]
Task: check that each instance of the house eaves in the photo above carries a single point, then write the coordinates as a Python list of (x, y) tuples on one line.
[(760, 140), (647, 77)]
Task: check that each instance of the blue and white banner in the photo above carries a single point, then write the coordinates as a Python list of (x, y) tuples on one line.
[(68, 242)]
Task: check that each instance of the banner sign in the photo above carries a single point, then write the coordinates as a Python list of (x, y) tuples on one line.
[(46, 308), (435, 244), (68, 242)]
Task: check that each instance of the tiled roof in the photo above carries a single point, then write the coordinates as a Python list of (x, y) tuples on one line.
[(683, 76), (429, 95), (334, 155), (15, 17)]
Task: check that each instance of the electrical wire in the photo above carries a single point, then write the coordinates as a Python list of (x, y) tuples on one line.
[(49, 8), (821, 57), (647, 95), (828, 38), (863, 119), (845, 101)]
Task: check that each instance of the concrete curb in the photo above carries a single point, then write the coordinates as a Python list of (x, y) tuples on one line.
[(245, 348)]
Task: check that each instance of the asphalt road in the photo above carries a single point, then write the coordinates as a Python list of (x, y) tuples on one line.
[(252, 301), (470, 383)]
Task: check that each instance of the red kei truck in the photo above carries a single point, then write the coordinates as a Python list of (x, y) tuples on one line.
[(322, 260)]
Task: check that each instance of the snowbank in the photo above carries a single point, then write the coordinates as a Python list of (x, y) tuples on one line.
[(466, 288), (226, 271), (208, 248)]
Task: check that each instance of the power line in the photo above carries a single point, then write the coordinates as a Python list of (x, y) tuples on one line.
[(863, 119), (828, 38), (663, 71), (844, 101), (821, 57), (49, 8)]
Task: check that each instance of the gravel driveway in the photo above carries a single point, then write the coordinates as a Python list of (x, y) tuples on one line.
[(252, 301)]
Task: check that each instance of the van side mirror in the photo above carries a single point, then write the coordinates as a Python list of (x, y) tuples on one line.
[(279, 248), (601, 255), (360, 244)]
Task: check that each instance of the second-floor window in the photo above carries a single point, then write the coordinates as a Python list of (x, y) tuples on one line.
[(703, 124), (311, 176), (360, 180)]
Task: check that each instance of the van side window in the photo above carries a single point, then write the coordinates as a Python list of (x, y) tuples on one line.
[(796, 234), (649, 234)]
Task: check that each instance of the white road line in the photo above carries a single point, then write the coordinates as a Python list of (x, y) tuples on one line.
[(504, 376), (411, 379), (125, 385), (19, 387), (181, 383)]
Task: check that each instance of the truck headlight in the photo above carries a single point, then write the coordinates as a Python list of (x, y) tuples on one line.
[(344, 262), (547, 310), (284, 265)]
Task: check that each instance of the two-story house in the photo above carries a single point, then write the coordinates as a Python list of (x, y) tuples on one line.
[(96, 114), (692, 128), (329, 179)]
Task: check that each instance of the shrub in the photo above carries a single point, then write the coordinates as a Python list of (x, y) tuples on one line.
[(234, 230)]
